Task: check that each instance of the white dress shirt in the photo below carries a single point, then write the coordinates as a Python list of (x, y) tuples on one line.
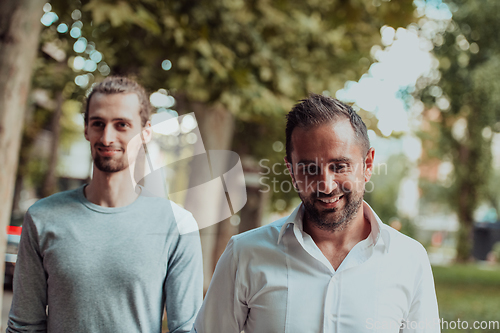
[(275, 279)]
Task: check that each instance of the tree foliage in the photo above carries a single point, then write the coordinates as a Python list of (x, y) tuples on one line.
[(254, 58), (469, 63)]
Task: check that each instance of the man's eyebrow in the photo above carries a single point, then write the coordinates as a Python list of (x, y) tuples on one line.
[(114, 119), (333, 160), (128, 120), (340, 160), (306, 162)]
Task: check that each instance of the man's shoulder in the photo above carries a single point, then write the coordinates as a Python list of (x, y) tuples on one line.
[(56, 201), (265, 236), (401, 244), (167, 208), (162, 202), (157, 202)]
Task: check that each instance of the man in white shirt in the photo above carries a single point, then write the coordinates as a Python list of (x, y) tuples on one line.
[(332, 265)]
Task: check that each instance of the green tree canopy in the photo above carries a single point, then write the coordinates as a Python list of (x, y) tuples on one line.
[(469, 55), (252, 58)]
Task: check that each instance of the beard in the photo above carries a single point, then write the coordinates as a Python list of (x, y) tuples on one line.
[(336, 218), (110, 164)]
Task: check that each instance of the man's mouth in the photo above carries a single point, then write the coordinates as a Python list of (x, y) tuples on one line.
[(330, 202), (108, 151)]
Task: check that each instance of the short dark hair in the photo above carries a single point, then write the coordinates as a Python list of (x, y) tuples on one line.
[(121, 85), (318, 110)]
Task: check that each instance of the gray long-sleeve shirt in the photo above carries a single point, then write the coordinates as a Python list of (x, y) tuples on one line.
[(104, 269)]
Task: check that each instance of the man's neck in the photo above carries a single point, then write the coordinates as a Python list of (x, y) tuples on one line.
[(115, 189), (335, 245)]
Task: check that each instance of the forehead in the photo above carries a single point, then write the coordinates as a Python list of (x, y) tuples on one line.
[(114, 105), (335, 140)]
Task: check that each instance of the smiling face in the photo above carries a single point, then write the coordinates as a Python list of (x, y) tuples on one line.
[(329, 170), (113, 130)]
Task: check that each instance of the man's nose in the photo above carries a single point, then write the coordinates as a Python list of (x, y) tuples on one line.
[(108, 135), (327, 183)]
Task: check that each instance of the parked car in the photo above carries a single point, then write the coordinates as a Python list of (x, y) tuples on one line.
[(13, 238)]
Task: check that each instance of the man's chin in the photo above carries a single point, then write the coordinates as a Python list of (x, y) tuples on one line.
[(329, 225), (110, 169), (109, 166), (330, 218)]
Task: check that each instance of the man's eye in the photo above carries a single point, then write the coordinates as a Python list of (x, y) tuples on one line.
[(311, 170), (122, 125), (340, 167), (97, 124)]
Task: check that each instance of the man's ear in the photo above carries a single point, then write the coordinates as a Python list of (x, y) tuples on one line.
[(147, 132), (370, 156)]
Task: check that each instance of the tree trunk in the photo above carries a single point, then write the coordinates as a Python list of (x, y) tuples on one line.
[(25, 146), (216, 126), (16, 198), (467, 198), (50, 185), (19, 31), (251, 215), (465, 236)]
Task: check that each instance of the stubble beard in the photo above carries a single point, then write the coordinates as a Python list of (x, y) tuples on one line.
[(110, 164), (327, 219)]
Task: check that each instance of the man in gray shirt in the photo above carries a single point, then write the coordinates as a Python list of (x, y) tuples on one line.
[(104, 258)]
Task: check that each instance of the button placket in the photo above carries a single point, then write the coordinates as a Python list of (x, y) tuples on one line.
[(332, 304)]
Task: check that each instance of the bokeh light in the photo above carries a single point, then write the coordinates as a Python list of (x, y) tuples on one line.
[(280, 204), (235, 220), (166, 64), (164, 123), (90, 66), (191, 138), (104, 69), (159, 99), (78, 63), (388, 34), (278, 146), (80, 45), (433, 9), (96, 56), (90, 48), (49, 18), (62, 28), (76, 14), (75, 32), (188, 124), (173, 113), (82, 81)]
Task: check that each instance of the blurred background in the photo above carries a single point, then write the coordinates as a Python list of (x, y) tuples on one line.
[(423, 74)]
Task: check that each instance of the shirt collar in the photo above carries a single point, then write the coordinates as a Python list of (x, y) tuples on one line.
[(294, 218), (378, 231)]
